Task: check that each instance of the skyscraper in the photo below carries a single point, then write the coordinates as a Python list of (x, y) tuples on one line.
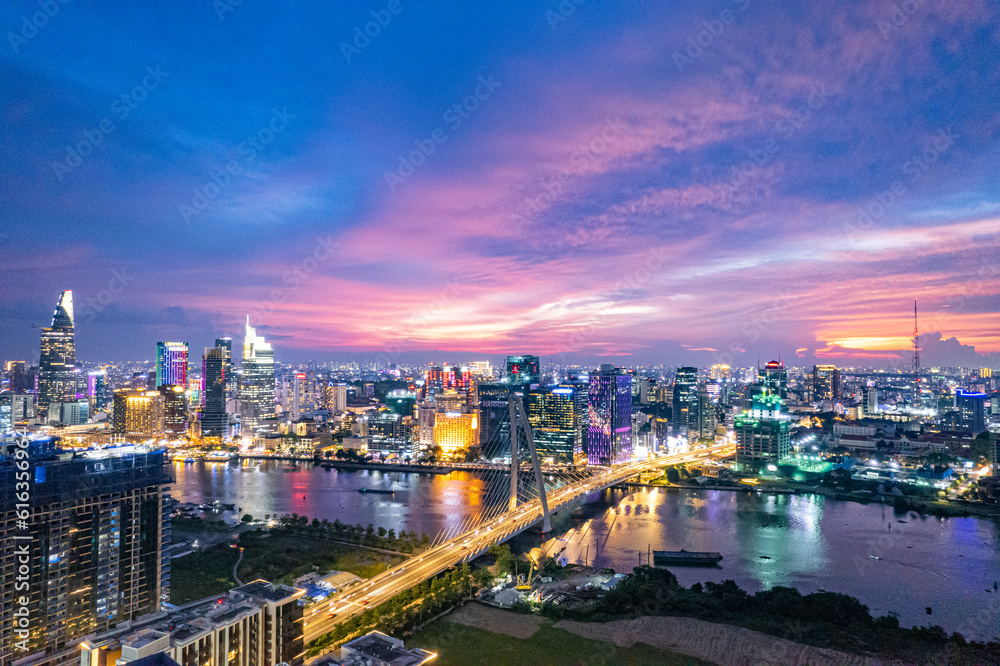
[(137, 415), (522, 370), (57, 361), (226, 345), (494, 433), (94, 549), (775, 379), (971, 411), (609, 439), (684, 412), (826, 382), (706, 415), (552, 413), (214, 419), (97, 389), (257, 386), (171, 364), (762, 434)]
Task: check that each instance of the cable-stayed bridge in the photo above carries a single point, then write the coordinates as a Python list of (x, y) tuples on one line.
[(526, 504)]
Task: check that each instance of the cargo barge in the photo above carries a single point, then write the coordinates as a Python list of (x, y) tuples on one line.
[(685, 558)]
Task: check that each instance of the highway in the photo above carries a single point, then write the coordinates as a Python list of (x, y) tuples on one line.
[(324, 616)]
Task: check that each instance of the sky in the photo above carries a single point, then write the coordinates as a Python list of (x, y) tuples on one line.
[(634, 182)]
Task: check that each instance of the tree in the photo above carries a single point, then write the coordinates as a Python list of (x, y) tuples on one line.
[(505, 559), (391, 536), (369, 531), (247, 518), (673, 476), (381, 532)]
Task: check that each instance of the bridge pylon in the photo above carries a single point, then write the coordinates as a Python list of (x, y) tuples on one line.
[(518, 415)]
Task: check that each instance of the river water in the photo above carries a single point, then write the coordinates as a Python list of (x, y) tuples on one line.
[(892, 562)]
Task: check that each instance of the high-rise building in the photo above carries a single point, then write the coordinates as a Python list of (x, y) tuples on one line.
[(6, 411), (137, 415), (762, 434), (719, 371), (97, 390), (870, 396), (171, 363), (335, 397), (388, 432), (257, 388), (684, 412), (706, 415), (226, 345), (609, 437), (175, 414), (19, 376), (57, 360), (214, 419), (971, 411), (456, 431), (94, 553), (442, 378), (826, 382), (494, 420), (522, 370), (555, 421), (775, 379), (401, 401)]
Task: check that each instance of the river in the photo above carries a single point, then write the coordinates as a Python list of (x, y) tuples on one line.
[(892, 562)]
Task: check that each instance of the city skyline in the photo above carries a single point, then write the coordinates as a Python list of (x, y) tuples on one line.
[(781, 182)]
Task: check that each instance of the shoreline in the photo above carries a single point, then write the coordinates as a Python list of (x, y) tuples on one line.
[(918, 505)]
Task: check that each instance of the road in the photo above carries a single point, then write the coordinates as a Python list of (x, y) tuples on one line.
[(324, 616)]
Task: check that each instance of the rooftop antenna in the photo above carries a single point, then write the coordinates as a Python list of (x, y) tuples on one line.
[(916, 343)]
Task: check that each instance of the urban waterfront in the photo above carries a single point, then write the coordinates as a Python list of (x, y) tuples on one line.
[(805, 541)]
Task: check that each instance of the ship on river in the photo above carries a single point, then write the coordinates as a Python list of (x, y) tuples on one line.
[(685, 558)]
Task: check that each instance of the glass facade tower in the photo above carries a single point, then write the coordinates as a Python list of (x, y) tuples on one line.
[(57, 362), (257, 386), (609, 438), (171, 364)]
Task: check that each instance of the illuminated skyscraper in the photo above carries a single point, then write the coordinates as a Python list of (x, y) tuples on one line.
[(171, 363), (609, 439), (971, 411), (684, 411), (226, 345), (555, 420), (257, 385), (57, 361), (826, 382), (214, 419), (762, 435), (97, 390), (137, 415), (175, 416), (706, 415), (775, 378), (522, 370), (494, 435), (439, 379)]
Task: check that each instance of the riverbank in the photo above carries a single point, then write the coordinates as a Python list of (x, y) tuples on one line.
[(333, 463), (938, 508)]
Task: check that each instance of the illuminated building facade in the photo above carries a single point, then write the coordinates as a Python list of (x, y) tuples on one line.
[(226, 345), (494, 413), (706, 415), (522, 370), (555, 421), (826, 382), (609, 437), (440, 379), (97, 390), (97, 558), (257, 383), (971, 411), (175, 414), (389, 432), (214, 419), (401, 402), (762, 434), (137, 415), (775, 379), (57, 360), (171, 364), (684, 410), (455, 431), (335, 397)]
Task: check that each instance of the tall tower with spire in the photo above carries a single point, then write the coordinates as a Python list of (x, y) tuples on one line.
[(257, 384), (57, 361), (916, 341)]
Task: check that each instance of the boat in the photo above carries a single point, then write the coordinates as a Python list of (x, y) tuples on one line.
[(685, 558), (379, 491)]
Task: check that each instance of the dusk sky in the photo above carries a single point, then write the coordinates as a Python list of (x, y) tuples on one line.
[(640, 182)]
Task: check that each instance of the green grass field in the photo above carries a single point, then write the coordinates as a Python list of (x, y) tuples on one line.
[(458, 644)]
